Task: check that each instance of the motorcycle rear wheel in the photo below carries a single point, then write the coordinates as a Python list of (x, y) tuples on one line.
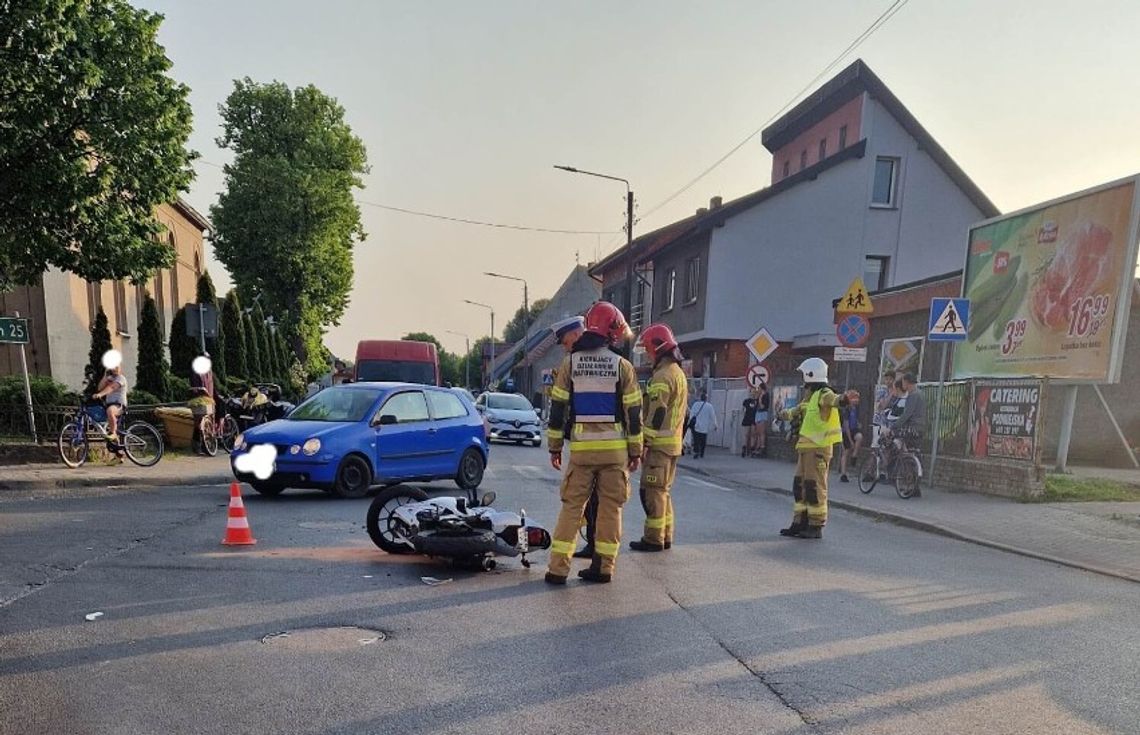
[(381, 521)]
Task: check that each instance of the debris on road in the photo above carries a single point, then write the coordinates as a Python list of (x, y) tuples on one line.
[(274, 636), (91, 617), (432, 581)]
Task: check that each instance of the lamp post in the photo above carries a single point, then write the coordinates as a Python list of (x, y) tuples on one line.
[(628, 240), (526, 317), (490, 369), (466, 359)]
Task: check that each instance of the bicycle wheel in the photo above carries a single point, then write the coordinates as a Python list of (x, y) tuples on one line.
[(73, 444), (230, 431), (869, 473), (143, 444), (906, 481), (209, 433)]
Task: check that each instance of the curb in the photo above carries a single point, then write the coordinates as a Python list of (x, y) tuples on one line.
[(81, 482), (929, 527)]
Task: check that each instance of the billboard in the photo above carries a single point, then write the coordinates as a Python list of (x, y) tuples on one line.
[(1004, 418), (1050, 288)]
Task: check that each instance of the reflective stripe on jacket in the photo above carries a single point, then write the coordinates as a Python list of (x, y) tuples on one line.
[(666, 398), (596, 438)]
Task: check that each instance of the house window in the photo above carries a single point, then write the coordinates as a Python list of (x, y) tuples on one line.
[(886, 182), (803, 159), (842, 137), (692, 279), (875, 272), (670, 289), (94, 301), (787, 168), (197, 264), (823, 149), (121, 324)]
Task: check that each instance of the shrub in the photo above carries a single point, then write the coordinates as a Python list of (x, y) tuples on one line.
[(45, 391), (152, 373), (139, 397), (179, 390)]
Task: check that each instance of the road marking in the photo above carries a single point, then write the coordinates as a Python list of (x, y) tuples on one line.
[(706, 483)]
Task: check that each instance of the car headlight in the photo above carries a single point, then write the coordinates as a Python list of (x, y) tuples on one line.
[(311, 447), (492, 418)]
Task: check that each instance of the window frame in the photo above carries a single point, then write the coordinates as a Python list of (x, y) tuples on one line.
[(119, 296), (397, 394), (803, 159), (444, 395), (787, 169), (842, 137), (670, 290), (892, 197), (692, 280), (884, 262), (822, 148), (94, 301)]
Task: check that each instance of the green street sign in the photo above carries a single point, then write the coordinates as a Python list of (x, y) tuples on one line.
[(13, 331)]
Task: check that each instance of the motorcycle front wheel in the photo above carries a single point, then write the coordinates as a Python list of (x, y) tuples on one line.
[(383, 527)]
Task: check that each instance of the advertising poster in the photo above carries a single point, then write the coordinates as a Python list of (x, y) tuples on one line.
[(783, 398), (1050, 287), (902, 355), (1004, 419)]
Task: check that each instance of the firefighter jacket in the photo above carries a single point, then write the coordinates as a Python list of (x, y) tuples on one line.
[(819, 419), (666, 400), (595, 399)]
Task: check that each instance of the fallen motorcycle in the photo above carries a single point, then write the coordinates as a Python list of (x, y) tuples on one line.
[(404, 520)]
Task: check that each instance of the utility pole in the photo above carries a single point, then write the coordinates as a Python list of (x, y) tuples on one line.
[(526, 318)]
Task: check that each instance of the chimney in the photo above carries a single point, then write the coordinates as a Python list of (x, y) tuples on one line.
[(715, 202), (702, 211)]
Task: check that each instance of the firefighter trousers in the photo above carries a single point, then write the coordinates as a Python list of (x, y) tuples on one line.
[(657, 475), (809, 487), (612, 485)]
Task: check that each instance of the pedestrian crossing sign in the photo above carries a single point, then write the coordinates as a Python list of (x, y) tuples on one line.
[(949, 320)]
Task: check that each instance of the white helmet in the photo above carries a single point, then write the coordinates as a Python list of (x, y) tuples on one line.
[(814, 370)]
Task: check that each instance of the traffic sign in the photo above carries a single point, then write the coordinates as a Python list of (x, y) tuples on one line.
[(762, 344), (855, 300), (851, 354), (757, 374), (13, 331), (853, 330), (949, 320)]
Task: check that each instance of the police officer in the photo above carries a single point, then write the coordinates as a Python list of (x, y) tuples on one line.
[(666, 400), (819, 431), (596, 400)]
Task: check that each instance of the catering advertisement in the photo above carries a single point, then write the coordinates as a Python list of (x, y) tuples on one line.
[(1004, 419)]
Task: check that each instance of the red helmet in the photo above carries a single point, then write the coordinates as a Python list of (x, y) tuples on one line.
[(658, 340), (606, 320)]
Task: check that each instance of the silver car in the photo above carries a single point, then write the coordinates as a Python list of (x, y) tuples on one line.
[(510, 417)]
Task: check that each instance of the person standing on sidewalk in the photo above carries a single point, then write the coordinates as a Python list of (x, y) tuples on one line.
[(819, 432), (667, 396), (566, 333), (852, 435), (760, 427), (748, 421), (597, 400), (702, 423)]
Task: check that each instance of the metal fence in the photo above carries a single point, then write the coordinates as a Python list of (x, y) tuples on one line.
[(954, 419), (50, 420)]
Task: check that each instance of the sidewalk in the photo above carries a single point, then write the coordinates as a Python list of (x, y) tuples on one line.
[(172, 470), (1098, 537)]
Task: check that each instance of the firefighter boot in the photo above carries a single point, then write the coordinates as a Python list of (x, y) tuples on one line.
[(555, 579), (594, 572), (811, 532), (646, 546), (799, 509)]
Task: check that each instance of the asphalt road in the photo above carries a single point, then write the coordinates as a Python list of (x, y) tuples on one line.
[(876, 629)]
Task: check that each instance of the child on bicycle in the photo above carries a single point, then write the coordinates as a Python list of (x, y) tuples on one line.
[(112, 391)]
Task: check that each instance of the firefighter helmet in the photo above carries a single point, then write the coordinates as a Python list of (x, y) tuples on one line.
[(658, 340), (606, 320), (814, 370)]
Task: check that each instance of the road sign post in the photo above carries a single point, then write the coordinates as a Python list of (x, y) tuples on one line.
[(14, 330), (949, 322)]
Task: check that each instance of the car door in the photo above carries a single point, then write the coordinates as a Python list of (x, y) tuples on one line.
[(404, 437), (453, 422)]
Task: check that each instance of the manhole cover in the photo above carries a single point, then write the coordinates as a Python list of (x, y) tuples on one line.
[(338, 638), (329, 525)]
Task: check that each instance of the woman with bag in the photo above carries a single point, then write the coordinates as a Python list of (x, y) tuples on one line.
[(702, 423)]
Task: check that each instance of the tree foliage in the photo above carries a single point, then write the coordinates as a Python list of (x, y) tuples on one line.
[(183, 347), (100, 343), (268, 364), (516, 328), (152, 373), (234, 329), (286, 223), (92, 139), (252, 350), (216, 346)]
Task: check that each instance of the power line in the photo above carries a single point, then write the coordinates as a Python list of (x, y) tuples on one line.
[(886, 15), (461, 220)]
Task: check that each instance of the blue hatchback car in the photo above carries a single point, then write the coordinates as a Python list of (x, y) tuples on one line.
[(349, 438)]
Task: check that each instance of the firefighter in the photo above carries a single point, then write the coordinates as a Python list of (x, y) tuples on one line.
[(819, 432), (566, 333), (666, 400), (596, 400)]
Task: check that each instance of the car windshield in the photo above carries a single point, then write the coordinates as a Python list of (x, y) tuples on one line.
[(395, 371), (336, 404), (506, 402)]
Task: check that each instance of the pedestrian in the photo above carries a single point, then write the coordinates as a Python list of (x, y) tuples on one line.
[(852, 435), (702, 423), (667, 396), (202, 403), (112, 390), (884, 392), (907, 419), (760, 426), (566, 334), (748, 449), (819, 432), (597, 401)]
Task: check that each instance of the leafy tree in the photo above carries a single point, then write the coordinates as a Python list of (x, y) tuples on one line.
[(252, 350), (268, 364), (216, 346), (100, 343), (516, 328), (286, 223), (94, 136), (232, 327), (152, 373), (183, 347)]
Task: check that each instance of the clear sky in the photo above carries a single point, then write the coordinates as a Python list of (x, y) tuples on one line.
[(465, 106)]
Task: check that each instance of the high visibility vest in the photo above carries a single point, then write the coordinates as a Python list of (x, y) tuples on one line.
[(595, 376), (816, 431)]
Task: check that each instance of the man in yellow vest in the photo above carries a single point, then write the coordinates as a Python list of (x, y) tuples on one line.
[(596, 400), (818, 414), (666, 400)]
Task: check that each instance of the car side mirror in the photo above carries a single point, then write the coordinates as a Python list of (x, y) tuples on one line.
[(386, 420), (487, 499), (480, 407)]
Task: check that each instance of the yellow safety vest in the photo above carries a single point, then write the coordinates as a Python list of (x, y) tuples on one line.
[(817, 431)]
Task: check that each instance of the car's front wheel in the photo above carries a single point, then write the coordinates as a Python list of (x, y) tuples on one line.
[(536, 443), (470, 472), (353, 478)]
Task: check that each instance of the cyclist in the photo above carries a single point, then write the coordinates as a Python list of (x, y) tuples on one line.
[(907, 419), (112, 391)]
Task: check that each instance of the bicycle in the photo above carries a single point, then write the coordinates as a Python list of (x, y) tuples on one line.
[(906, 473), (140, 441)]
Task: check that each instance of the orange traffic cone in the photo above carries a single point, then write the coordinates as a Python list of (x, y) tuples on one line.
[(237, 525)]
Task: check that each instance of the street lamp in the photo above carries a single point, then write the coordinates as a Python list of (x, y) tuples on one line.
[(628, 239), (466, 359), (492, 310), (526, 314)]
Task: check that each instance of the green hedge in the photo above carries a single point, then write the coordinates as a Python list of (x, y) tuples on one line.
[(45, 391)]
